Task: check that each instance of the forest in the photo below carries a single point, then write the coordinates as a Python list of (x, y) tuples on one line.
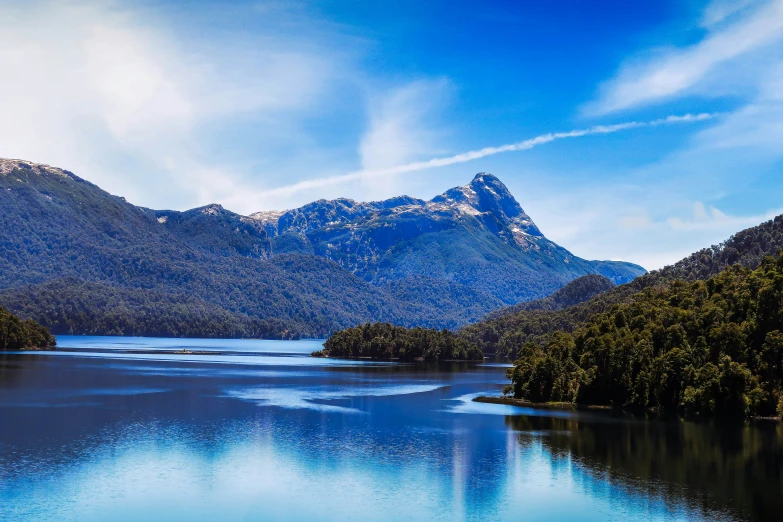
[(706, 348), (386, 341), (16, 334)]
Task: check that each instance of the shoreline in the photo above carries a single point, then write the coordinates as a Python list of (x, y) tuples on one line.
[(393, 359), (510, 401)]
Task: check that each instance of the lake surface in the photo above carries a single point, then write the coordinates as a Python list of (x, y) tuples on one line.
[(126, 429)]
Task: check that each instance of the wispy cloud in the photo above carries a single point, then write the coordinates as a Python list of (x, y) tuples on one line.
[(464, 157), (709, 217), (400, 126), (122, 95), (652, 227), (676, 71), (720, 10), (403, 125)]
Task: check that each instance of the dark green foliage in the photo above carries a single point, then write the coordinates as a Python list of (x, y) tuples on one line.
[(705, 348), (386, 341), (16, 334), (507, 333), (69, 306), (458, 304)]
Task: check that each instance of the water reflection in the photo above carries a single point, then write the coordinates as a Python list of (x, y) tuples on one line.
[(263, 434), (728, 469)]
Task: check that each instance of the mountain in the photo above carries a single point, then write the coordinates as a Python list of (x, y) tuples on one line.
[(477, 236), (505, 332), (81, 260)]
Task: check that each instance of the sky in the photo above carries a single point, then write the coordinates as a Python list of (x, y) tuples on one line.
[(638, 131)]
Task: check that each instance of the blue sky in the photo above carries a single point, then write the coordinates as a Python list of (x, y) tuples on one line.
[(270, 105)]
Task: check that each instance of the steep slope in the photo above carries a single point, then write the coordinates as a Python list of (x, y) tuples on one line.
[(505, 334), (476, 235)]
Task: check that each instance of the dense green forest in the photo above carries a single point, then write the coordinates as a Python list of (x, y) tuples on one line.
[(703, 348), (16, 334), (507, 333), (386, 341)]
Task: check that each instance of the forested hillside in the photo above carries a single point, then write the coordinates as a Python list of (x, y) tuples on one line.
[(506, 334), (577, 291), (710, 347), (16, 334)]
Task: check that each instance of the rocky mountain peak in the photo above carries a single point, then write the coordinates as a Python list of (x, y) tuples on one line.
[(486, 194), (494, 196)]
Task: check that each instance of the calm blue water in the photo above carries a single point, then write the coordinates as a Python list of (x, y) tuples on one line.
[(126, 429)]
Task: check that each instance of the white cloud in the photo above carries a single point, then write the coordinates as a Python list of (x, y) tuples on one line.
[(720, 10), (674, 72), (710, 218), (633, 223), (122, 98), (402, 127)]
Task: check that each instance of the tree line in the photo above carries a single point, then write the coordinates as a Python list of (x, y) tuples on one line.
[(386, 341)]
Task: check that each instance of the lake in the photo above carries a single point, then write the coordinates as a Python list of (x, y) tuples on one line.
[(108, 428)]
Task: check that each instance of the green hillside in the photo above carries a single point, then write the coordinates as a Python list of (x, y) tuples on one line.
[(506, 333)]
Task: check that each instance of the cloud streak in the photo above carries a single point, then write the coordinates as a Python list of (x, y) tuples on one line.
[(464, 157), (676, 71)]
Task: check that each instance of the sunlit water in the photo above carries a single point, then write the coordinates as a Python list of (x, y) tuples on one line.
[(129, 429)]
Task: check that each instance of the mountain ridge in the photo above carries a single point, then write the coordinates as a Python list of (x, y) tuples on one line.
[(328, 265)]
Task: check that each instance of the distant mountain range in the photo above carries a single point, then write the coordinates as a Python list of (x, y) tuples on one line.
[(80, 260)]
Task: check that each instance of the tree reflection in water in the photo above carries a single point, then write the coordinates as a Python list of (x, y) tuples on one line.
[(707, 467)]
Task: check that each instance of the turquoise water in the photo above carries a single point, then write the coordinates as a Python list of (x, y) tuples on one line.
[(127, 429)]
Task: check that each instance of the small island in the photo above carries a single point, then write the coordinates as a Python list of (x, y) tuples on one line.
[(384, 341)]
